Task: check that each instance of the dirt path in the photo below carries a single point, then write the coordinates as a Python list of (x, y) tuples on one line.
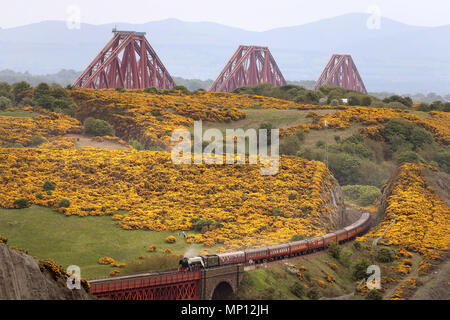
[(85, 142)]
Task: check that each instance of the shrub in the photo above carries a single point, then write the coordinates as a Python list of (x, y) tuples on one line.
[(64, 203), (360, 269), (334, 102), (320, 144), (298, 237), (357, 245), (277, 212), (374, 295), (199, 224), (136, 144), (384, 255), (171, 239), (39, 196), (21, 203), (297, 289), (292, 196), (362, 195), (300, 134), (97, 127), (49, 185), (334, 250), (408, 156), (106, 260), (289, 145), (345, 256), (120, 89), (313, 294), (152, 248), (3, 239), (37, 140)]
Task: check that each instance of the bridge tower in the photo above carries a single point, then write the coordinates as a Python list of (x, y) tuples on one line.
[(341, 71), (250, 65), (127, 61)]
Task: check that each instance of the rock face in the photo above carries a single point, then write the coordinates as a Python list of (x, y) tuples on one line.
[(22, 279), (334, 199)]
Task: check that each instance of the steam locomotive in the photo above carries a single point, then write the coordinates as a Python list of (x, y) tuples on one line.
[(281, 251)]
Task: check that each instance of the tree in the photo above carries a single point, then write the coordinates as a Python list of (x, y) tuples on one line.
[(345, 167), (19, 89), (5, 103), (41, 90), (98, 127)]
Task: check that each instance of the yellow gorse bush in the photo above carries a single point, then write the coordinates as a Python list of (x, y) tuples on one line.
[(252, 210), (422, 217), (49, 125)]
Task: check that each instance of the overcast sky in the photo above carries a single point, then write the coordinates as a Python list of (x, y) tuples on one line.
[(256, 15)]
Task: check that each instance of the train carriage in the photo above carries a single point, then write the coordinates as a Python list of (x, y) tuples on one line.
[(341, 236), (351, 232), (258, 254), (231, 258), (328, 238), (280, 250), (299, 247), (315, 243)]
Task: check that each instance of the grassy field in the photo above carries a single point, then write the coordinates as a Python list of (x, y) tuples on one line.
[(255, 117), (284, 119), (19, 114), (81, 241)]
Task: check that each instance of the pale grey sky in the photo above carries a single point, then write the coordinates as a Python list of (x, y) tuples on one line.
[(255, 15)]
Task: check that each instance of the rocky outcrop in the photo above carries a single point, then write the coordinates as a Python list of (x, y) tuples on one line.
[(22, 279), (334, 200)]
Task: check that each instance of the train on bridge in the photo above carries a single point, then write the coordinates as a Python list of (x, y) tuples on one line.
[(281, 251)]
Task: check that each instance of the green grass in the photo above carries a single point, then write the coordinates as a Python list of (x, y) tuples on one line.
[(81, 241), (255, 117), (19, 114)]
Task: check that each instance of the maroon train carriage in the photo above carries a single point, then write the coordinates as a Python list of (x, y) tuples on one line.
[(315, 244), (299, 247), (341, 236), (256, 255), (231, 258), (280, 250), (328, 238)]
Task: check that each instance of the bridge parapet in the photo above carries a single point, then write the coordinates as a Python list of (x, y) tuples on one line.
[(168, 286)]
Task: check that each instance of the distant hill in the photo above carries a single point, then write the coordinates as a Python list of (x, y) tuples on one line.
[(396, 58)]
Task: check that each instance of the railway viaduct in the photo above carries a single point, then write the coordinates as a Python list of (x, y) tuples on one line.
[(209, 284)]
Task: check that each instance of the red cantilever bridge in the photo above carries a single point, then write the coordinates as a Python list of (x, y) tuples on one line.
[(216, 284)]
